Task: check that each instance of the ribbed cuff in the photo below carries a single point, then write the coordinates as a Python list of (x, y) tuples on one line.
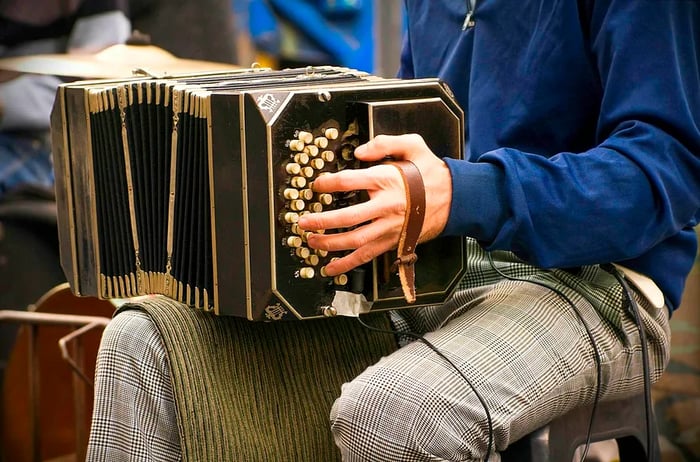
[(478, 207)]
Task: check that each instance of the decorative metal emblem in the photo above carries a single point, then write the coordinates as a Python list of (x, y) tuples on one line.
[(267, 102), (275, 312)]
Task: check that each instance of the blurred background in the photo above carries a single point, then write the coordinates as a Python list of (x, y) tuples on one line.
[(360, 34)]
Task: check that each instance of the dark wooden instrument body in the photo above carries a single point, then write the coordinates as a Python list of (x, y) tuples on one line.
[(178, 187)]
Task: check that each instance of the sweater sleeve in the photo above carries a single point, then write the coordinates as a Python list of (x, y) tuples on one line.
[(406, 63), (638, 186)]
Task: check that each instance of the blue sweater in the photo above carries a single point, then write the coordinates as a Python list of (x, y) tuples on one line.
[(583, 127)]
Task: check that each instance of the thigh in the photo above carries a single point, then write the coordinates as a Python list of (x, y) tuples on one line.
[(524, 349), (134, 411)]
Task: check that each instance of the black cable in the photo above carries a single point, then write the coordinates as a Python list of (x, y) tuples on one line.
[(596, 352), (634, 312), (597, 357), (420, 338)]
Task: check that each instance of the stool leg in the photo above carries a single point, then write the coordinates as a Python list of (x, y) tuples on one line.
[(623, 420), (631, 449)]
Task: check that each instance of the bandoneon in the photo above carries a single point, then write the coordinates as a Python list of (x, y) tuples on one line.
[(191, 187)]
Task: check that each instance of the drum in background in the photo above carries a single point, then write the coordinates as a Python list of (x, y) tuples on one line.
[(63, 424)]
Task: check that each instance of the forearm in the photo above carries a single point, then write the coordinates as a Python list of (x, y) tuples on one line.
[(610, 203), (632, 181)]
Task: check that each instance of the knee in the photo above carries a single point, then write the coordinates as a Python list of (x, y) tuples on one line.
[(127, 327), (131, 340), (385, 415)]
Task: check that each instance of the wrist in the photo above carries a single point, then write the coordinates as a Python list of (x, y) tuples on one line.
[(438, 200)]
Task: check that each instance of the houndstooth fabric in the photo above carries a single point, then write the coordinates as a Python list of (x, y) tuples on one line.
[(134, 412), (520, 344)]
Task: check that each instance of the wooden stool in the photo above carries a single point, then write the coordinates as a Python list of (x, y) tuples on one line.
[(622, 420)]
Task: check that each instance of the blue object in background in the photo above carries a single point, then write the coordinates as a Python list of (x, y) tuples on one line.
[(338, 32), (263, 26), (339, 8)]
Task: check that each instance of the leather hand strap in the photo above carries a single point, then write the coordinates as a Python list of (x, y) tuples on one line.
[(412, 226)]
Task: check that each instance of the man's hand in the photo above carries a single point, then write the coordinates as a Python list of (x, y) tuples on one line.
[(380, 219)]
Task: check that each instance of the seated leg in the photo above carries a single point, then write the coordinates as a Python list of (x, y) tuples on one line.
[(525, 351), (172, 380), (259, 390), (134, 411)]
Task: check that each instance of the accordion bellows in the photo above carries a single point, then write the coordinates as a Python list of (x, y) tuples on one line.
[(191, 186)]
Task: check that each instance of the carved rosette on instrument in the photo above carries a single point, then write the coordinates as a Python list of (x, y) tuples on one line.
[(192, 187)]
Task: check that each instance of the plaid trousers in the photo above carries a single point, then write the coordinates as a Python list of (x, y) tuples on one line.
[(522, 346)]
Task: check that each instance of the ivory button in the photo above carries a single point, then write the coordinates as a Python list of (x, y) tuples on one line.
[(325, 198), (296, 145), (294, 241), (312, 260), (305, 137), (311, 150), (297, 205), (293, 168), (298, 182), (331, 133), (340, 279)]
